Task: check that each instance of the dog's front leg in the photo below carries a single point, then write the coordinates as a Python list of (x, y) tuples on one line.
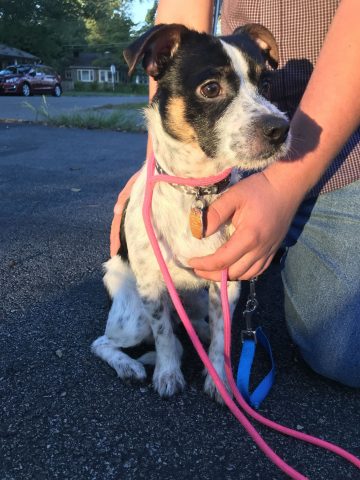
[(168, 378), (216, 349)]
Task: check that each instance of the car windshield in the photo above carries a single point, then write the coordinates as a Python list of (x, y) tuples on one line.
[(16, 69), (24, 69), (8, 71)]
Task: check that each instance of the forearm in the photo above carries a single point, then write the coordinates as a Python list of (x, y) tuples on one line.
[(193, 14), (329, 111)]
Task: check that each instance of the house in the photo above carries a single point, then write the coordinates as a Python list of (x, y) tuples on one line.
[(14, 56), (90, 67)]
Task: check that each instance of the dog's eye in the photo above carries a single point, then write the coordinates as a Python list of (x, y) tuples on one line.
[(210, 90), (264, 87)]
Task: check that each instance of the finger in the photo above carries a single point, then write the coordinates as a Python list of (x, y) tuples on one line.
[(235, 271), (125, 193), (255, 270), (214, 276), (244, 269), (219, 212), (246, 265), (226, 255), (114, 235)]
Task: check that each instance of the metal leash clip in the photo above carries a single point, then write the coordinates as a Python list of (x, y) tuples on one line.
[(250, 308), (250, 340)]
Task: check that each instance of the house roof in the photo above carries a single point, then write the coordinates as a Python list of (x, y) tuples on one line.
[(85, 59), (94, 60), (6, 51)]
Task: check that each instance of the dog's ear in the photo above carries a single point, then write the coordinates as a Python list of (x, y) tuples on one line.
[(265, 40), (156, 46)]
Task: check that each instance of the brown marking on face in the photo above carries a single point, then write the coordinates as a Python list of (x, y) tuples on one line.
[(177, 122)]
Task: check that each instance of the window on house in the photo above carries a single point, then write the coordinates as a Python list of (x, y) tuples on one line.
[(68, 75), (142, 79), (85, 75), (104, 76)]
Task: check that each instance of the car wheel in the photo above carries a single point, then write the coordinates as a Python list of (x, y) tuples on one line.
[(25, 90), (57, 91)]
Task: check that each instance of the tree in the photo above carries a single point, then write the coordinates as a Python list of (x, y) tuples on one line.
[(149, 19), (151, 13), (53, 29), (41, 26)]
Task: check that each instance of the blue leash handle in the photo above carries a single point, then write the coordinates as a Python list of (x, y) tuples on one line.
[(244, 370)]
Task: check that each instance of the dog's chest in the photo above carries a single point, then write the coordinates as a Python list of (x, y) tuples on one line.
[(171, 213), (170, 219)]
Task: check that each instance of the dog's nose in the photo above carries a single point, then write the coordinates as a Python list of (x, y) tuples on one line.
[(275, 129)]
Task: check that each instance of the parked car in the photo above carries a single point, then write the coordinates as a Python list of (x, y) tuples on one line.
[(29, 79)]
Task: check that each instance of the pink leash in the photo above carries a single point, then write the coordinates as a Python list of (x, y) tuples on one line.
[(292, 473)]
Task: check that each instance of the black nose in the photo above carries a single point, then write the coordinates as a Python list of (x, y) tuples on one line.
[(275, 129)]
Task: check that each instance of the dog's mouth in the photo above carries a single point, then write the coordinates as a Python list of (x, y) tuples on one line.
[(268, 154), (257, 156), (274, 153)]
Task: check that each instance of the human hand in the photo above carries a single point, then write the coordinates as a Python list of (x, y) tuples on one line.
[(123, 197), (261, 213)]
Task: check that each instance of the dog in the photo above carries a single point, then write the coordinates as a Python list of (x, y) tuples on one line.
[(209, 113)]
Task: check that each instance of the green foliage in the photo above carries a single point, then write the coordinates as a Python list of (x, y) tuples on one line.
[(54, 29), (42, 111), (81, 87), (129, 119), (94, 86), (149, 19), (131, 88), (150, 16)]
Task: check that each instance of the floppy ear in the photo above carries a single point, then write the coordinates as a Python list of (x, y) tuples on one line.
[(264, 39), (156, 46)]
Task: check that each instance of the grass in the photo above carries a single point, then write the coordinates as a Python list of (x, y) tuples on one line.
[(73, 93), (122, 106), (41, 111), (98, 89), (123, 118)]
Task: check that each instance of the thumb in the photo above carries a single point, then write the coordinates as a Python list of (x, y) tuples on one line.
[(221, 211)]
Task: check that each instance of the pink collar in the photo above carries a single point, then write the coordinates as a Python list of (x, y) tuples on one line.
[(187, 181), (199, 191)]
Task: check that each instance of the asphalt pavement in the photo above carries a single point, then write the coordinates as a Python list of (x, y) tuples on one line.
[(28, 108), (64, 413)]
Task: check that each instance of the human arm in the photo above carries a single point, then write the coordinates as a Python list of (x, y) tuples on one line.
[(196, 15), (328, 114)]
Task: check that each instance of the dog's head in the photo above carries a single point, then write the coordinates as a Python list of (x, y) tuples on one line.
[(211, 92)]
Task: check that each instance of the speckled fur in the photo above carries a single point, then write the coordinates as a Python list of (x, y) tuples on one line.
[(141, 308)]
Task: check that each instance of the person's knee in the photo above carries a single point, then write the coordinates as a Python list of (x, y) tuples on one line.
[(342, 369), (328, 348), (321, 284)]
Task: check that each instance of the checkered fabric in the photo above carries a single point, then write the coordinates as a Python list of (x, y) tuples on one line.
[(300, 27)]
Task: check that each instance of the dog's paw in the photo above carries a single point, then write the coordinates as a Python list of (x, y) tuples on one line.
[(130, 369), (168, 382), (212, 391)]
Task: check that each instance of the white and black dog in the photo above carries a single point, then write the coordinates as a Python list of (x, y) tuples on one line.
[(208, 114)]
